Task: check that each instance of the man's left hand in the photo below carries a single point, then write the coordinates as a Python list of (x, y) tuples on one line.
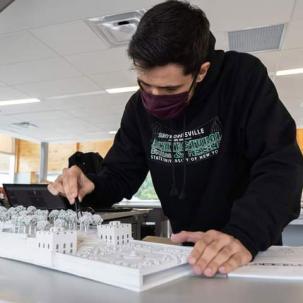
[(214, 252)]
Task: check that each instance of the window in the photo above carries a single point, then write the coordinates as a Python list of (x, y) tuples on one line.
[(146, 191), (7, 168), (52, 176)]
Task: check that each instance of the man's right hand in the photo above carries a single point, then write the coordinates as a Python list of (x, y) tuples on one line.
[(72, 184)]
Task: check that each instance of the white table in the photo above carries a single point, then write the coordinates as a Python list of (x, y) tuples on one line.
[(25, 283)]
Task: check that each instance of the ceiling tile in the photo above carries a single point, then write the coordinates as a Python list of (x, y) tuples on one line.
[(294, 36), (40, 116), (36, 13), (116, 79), (221, 40), (58, 87), (7, 93), (290, 88), (238, 14), (291, 59), (25, 108), (298, 11), (21, 47), (269, 59), (35, 71), (70, 38), (111, 60)]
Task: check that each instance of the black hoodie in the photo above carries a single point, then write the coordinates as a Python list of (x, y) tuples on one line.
[(243, 170)]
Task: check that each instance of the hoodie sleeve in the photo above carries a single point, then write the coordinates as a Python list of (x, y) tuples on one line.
[(124, 168), (272, 198)]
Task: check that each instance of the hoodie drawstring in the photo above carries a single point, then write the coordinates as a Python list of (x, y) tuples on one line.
[(174, 190), (182, 195)]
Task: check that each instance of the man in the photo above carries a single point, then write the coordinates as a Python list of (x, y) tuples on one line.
[(219, 144)]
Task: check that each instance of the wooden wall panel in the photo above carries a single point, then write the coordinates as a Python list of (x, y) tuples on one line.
[(58, 155), (300, 138), (102, 147), (7, 144), (28, 154)]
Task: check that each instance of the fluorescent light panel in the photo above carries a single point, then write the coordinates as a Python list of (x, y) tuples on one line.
[(120, 90), (287, 72), (18, 101)]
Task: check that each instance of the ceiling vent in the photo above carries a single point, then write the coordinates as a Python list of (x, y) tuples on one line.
[(25, 124), (116, 29), (256, 39), (4, 4)]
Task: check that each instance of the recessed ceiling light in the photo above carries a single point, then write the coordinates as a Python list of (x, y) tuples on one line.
[(120, 90), (18, 101), (92, 93), (112, 132), (286, 72)]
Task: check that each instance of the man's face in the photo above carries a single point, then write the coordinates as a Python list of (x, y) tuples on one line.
[(168, 79)]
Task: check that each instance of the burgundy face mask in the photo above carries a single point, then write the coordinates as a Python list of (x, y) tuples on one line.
[(165, 106)]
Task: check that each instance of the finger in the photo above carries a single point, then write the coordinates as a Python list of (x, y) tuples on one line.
[(86, 186), (240, 258), (70, 185), (51, 188), (186, 236), (198, 251), (59, 179), (57, 187), (211, 251), (217, 262)]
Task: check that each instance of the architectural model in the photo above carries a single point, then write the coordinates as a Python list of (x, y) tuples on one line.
[(87, 248)]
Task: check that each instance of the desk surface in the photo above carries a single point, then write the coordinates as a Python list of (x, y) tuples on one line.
[(26, 283), (123, 214)]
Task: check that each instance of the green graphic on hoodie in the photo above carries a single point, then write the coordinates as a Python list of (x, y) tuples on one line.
[(200, 144)]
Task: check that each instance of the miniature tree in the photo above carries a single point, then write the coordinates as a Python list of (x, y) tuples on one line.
[(60, 223), (85, 222), (97, 220), (31, 210), (43, 225), (53, 215)]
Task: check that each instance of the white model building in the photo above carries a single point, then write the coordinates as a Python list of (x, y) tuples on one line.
[(115, 233), (107, 254), (58, 240)]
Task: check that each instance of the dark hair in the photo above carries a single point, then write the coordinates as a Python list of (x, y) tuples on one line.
[(171, 32)]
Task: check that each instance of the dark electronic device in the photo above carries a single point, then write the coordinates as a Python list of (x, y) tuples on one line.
[(33, 194)]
